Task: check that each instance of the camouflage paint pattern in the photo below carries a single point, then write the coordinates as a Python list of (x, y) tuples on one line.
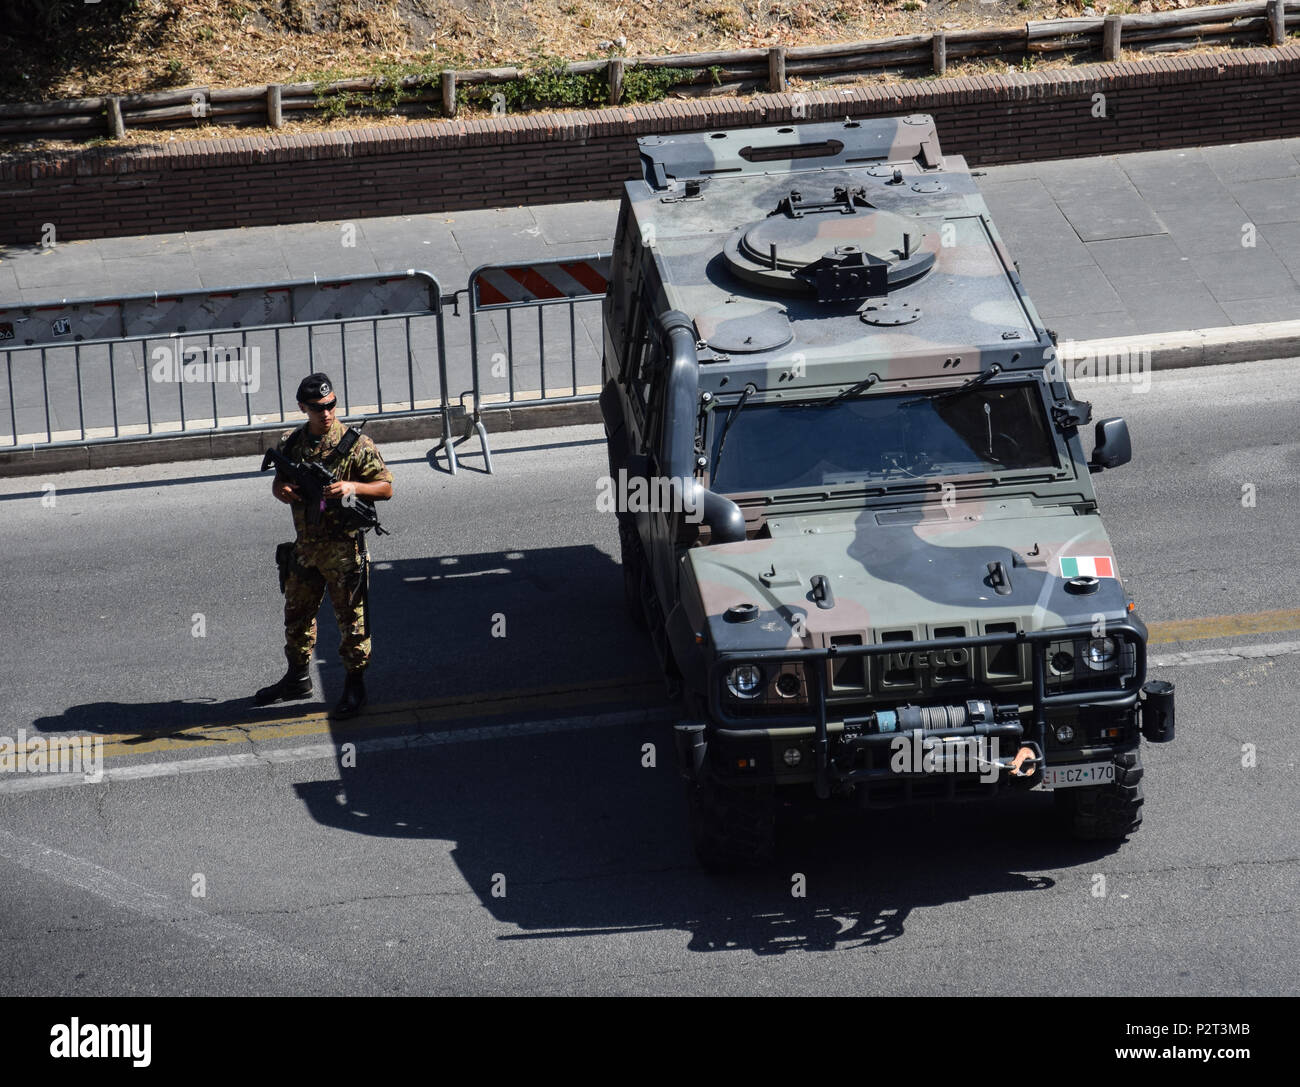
[(328, 555), (916, 577), (973, 308), (363, 464), (717, 227), (333, 566)]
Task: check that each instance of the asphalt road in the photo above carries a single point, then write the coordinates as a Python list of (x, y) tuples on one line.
[(504, 843)]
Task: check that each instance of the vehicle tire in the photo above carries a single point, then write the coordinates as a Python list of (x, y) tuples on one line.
[(634, 573), (733, 827), (1106, 811)]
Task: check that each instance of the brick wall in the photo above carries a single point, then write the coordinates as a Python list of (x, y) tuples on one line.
[(1250, 94)]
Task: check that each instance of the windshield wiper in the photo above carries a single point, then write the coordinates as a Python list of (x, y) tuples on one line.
[(853, 390), (943, 394), (750, 389)]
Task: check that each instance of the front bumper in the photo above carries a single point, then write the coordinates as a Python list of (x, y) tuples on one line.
[(811, 725)]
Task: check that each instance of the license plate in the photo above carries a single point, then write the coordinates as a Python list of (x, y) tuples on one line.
[(1084, 773)]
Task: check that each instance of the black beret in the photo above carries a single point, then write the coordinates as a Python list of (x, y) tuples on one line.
[(313, 387)]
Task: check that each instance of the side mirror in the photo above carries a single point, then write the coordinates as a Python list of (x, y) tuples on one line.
[(1112, 447)]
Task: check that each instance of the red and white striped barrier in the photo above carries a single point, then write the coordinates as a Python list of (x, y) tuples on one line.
[(540, 281)]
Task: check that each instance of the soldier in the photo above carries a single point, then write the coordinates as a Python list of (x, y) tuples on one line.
[(329, 554)]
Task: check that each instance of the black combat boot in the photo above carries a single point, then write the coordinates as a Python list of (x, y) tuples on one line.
[(294, 684), (353, 697)]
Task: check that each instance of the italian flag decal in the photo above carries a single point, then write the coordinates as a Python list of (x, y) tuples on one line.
[(1087, 566)]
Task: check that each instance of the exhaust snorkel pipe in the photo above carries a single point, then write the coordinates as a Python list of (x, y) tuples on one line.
[(722, 515)]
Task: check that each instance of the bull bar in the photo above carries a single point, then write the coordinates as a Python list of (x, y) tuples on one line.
[(1121, 695)]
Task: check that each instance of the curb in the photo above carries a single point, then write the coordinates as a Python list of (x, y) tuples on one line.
[(1168, 351), (29, 460), (1199, 347)]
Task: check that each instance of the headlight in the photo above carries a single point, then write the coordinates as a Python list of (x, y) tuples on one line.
[(1101, 653), (745, 681)]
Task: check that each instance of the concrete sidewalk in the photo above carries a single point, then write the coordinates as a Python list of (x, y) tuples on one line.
[(1116, 246), (1145, 250)]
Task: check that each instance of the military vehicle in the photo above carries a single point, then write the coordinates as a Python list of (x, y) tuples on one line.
[(856, 516)]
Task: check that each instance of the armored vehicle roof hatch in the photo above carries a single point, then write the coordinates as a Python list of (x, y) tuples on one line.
[(856, 245)]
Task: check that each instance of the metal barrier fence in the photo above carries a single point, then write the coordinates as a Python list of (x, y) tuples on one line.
[(80, 371), (575, 287), (90, 371)]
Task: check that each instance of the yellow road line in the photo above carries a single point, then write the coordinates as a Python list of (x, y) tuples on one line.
[(1222, 626), (427, 712), (560, 698)]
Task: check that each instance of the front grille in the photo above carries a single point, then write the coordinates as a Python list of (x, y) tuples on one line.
[(904, 673), (1004, 661), (847, 673), (934, 665)]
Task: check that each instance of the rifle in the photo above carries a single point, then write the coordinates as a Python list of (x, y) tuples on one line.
[(311, 478)]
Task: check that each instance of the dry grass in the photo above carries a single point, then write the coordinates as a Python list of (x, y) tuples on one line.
[(233, 43)]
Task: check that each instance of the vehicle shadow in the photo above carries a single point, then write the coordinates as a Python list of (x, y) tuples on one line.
[(571, 834)]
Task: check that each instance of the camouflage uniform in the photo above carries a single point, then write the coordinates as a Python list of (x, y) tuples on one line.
[(328, 556)]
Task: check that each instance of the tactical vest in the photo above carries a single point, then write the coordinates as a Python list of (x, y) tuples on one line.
[(357, 516)]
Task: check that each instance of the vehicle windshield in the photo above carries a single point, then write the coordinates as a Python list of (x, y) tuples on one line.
[(892, 438)]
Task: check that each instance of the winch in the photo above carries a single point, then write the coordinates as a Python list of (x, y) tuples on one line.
[(977, 717)]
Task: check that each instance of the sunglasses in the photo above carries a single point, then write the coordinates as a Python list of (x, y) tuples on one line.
[(323, 407)]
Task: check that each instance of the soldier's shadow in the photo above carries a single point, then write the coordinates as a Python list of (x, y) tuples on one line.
[(465, 626), (175, 719), (564, 834)]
